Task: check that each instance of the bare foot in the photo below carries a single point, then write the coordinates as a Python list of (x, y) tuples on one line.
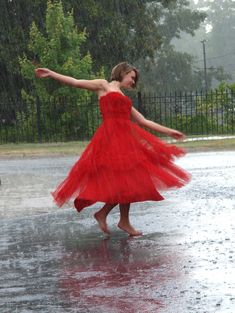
[(101, 219), (129, 229)]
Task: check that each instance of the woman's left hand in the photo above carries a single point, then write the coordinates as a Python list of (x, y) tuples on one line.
[(177, 134)]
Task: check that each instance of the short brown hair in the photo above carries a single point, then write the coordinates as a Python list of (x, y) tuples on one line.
[(122, 69)]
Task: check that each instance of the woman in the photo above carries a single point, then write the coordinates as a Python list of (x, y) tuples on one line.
[(123, 163)]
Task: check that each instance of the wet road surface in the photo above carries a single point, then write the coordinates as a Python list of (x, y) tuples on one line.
[(55, 260)]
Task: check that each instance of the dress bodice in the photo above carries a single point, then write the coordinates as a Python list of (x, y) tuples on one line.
[(115, 105)]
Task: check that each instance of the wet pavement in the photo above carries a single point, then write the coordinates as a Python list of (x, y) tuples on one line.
[(55, 260)]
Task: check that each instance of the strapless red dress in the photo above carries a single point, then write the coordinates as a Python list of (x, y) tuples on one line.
[(123, 163)]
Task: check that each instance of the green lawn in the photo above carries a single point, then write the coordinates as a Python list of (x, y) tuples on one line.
[(76, 148), (209, 145), (43, 149)]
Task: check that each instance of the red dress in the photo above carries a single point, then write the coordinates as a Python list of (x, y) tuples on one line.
[(123, 163)]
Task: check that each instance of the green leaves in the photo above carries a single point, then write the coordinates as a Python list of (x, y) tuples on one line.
[(58, 48)]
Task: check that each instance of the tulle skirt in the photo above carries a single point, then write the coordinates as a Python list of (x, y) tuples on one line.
[(123, 163)]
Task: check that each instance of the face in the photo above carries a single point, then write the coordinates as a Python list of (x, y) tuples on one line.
[(128, 80)]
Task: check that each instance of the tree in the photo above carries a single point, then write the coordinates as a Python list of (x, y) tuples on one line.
[(16, 18), (221, 41), (117, 30), (173, 70), (137, 31), (60, 49), (141, 32)]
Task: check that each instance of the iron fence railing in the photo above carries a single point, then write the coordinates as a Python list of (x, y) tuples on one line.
[(193, 113)]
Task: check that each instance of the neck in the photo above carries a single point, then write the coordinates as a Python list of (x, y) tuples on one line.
[(116, 84)]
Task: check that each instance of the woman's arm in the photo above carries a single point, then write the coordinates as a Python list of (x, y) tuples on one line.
[(92, 85), (142, 121)]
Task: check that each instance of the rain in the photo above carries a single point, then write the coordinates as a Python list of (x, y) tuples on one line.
[(58, 260)]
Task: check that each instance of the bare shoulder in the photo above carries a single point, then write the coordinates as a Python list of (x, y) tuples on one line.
[(102, 83), (104, 87), (96, 85)]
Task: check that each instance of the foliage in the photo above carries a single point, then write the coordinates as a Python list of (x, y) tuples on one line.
[(60, 49), (138, 31), (221, 40), (15, 20), (171, 70), (141, 32), (117, 30), (218, 106), (95, 34)]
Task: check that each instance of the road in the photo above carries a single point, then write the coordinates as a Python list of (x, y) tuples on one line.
[(56, 260)]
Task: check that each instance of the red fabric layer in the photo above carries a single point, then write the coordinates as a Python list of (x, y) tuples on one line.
[(123, 163)]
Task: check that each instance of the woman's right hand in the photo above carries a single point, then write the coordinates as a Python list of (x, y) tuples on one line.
[(42, 72)]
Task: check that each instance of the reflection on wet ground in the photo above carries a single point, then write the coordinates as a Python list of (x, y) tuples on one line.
[(54, 260)]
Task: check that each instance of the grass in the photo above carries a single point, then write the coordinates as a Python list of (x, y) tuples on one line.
[(209, 145), (42, 149), (76, 148)]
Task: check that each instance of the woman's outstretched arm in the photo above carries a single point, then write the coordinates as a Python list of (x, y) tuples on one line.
[(142, 121), (92, 85)]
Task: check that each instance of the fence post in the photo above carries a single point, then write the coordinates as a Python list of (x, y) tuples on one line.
[(39, 128), (141, 108)]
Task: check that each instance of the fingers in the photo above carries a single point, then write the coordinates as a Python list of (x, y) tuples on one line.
[(178, 135), (41, 72), (38, 72)]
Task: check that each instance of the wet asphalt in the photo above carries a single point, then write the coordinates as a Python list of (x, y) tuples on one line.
[(56, 260)]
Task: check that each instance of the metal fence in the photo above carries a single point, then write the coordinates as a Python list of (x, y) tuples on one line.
[(193, 113)]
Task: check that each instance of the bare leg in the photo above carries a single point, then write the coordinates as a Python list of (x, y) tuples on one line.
[(124, 222), (101, 216)]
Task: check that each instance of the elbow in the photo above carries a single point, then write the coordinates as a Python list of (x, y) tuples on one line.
[(143, 122)]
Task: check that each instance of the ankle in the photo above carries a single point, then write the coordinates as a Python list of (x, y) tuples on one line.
[(100, 213), (124, 221)]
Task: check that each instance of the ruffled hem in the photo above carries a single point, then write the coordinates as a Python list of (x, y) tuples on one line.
[(122, 164)]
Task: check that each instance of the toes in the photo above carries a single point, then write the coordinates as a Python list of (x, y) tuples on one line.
[(129, 229)]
